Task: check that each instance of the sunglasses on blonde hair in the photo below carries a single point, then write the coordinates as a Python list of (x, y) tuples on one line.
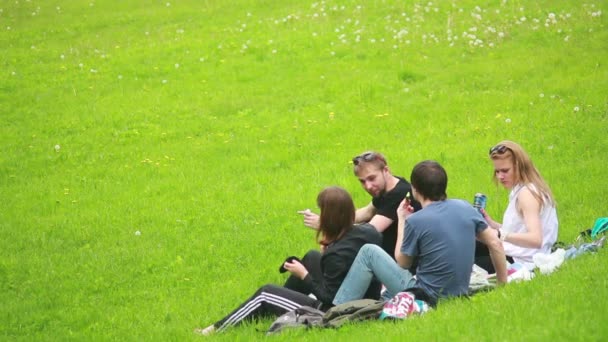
[(498, 149), (368, 157)]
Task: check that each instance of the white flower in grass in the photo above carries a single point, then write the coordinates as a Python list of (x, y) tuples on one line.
[(274, 51), (137, 233), (168, 4), (57, 148), (507, 120), (120, 77), (541, 95), (576, 109), (164, 81), (176, 65), (93, 71)]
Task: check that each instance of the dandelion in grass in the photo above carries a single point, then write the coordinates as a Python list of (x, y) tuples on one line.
[(57, 148), (137, 233), (576, 109)]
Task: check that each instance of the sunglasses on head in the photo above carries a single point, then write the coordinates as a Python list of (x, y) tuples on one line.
[(498, 149), (368, 157)]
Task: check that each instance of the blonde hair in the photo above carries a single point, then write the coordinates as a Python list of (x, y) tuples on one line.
[(524, 170)]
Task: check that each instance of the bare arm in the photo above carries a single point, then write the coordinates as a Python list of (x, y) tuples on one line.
[(365, 214), (529, 207), (403, 211), (489, 237), (490, 221), (368, 214)]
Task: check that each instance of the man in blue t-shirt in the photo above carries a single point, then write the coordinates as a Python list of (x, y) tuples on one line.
[(441, 237)]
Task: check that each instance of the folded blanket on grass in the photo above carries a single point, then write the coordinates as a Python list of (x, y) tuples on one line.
[(545, 263)]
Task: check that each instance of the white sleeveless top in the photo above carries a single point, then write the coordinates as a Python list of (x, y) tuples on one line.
[(512, 222)]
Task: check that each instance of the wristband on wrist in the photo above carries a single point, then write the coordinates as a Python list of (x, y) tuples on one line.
[(502, 235)]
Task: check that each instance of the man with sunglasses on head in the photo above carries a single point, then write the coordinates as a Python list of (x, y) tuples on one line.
[(387, 192)]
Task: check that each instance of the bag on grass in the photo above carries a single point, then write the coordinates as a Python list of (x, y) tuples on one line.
[(302, 317), (353, 311)]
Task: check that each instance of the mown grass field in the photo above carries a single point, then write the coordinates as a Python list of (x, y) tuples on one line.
[(153, 154)]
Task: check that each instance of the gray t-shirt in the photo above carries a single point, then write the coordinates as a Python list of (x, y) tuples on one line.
[(442, 237)]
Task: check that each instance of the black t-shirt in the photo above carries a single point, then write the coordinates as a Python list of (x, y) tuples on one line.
[(386, 205)]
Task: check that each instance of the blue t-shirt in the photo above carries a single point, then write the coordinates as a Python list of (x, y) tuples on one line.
[(442, 237)]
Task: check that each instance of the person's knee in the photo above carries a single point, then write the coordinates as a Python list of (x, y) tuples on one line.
[(268, 288), (369, 249), (311, 255)]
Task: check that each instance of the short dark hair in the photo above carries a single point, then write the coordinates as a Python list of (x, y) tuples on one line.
[(430, 180)]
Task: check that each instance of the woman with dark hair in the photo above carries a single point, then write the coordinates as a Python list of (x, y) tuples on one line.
[(319, 273)]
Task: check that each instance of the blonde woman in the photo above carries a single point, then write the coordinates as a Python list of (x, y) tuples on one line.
[(529, 224)]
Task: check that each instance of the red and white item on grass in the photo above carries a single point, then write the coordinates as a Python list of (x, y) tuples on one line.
[(403, 305)]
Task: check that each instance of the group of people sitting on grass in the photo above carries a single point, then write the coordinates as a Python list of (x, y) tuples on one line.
[(411, 237)]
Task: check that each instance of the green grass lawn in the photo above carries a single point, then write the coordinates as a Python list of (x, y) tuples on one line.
[(153, 154)]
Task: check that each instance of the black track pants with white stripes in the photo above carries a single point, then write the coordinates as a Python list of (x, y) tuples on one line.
[(269, 300)]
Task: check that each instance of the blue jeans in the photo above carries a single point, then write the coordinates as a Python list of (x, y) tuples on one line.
[(373, 261)]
